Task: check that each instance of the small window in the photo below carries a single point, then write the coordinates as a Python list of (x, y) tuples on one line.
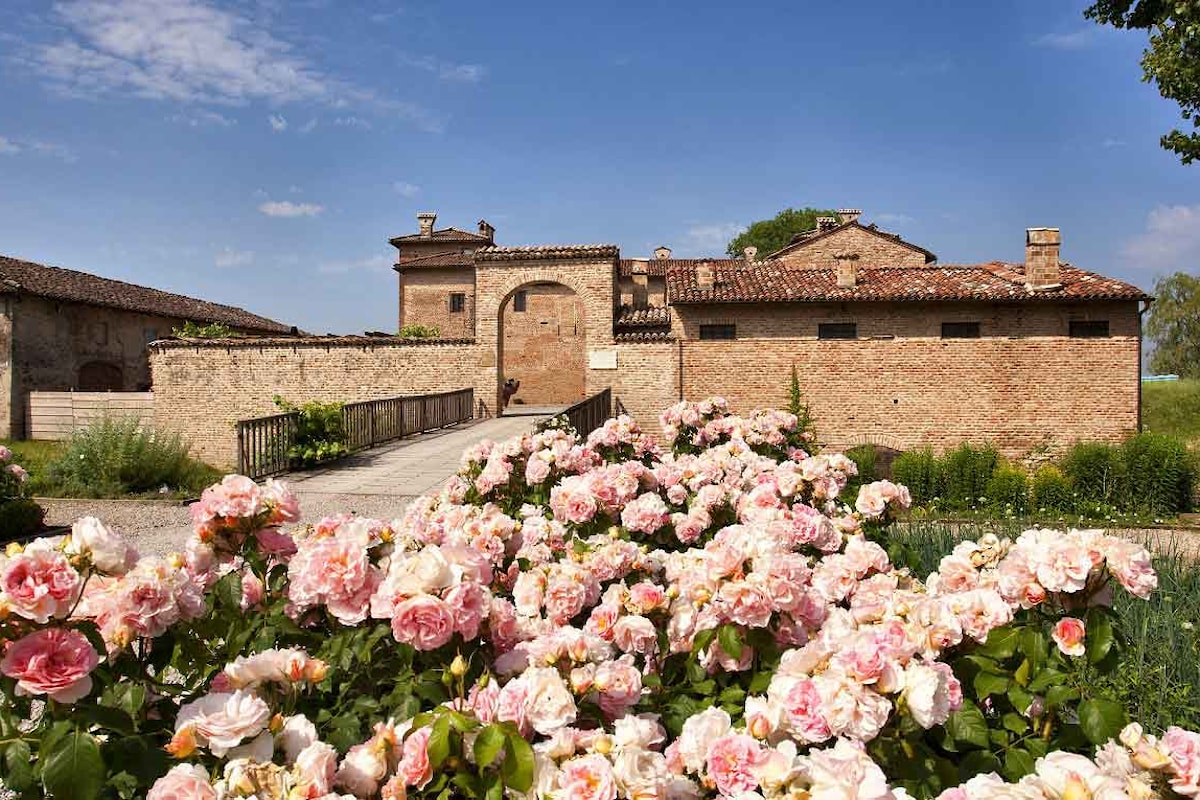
[(837, 330), (519, 301), (149, 335), (1089, 329), (960, 330), (458, 301), (714, 332)]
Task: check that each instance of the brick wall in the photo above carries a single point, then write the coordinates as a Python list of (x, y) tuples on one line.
[(202, 389), (545, 347), (425, 300), (653, 292), (646, 381), (872, 249)]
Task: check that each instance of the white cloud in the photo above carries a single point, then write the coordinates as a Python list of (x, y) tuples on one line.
[(229, 257), (202, 118), (1170, 242), (8, 147), (294, 189), (894, 219), (309, 126), (286, 208), (1111, 142), (370, 263), (278, 123), (39, 147), (1075, 40), (406, 189), (352, 122), (707, 240), (446, 70)]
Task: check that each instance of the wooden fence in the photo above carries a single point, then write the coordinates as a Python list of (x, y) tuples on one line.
[(589, 414), (56, 415)]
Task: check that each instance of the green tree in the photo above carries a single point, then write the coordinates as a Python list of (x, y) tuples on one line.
[(769, 235), (1172, 61), (1174, 325)]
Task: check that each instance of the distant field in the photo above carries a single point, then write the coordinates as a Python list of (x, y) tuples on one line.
[(1172, 408)]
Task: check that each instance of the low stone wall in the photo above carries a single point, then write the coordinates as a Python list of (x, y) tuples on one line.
[(203, 387)]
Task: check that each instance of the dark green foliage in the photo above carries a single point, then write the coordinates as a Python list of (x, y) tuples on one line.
[(113, 457), (864, 457), (20, 517), (1096, 471), (799, 406), (1160, 474), (215, 330), (320, 431), (1052, 490), (1008, 491), (1173, 324), (967, 470), (920, 471), (769, 235)]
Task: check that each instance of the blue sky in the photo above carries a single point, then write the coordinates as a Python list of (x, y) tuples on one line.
[(262, 153)]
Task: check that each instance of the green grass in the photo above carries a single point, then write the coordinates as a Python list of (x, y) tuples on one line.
[(1159, 677), (36, 458), (1173, 407)]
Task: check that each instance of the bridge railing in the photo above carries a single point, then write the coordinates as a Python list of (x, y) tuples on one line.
[(589, 414), (263, 444)]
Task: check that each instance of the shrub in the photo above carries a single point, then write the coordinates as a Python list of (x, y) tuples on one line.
[(799, 406), (415, 331), (1008, 490), (215, 330), (1096, 470), (920, 471), (121, 456), (320, 432), (19, 518), (864, 457), (967, 470), (1052, 490), (1160, 474)]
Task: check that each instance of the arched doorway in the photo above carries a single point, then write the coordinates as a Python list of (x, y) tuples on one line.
[(542, 346), (101, 376)]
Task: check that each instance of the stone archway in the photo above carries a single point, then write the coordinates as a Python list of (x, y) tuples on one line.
[(886, 447), (542, 345)]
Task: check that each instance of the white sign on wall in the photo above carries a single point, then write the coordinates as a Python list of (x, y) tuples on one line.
[(602, 359)]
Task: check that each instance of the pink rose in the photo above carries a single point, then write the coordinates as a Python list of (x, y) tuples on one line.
[(40, 583), (468, 604), (284, 505), (183, 782), (221, 721), (414, 763), (733, 762), (588, 777), (1068, 634), (426, 622), (56, 662), (635, 634)]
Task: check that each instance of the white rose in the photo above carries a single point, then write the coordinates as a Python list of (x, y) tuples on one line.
[(640, 773), (108, 551), (315, 767), (222, 720), (698, 734), (549, 704), (926, 694), (298, 734)]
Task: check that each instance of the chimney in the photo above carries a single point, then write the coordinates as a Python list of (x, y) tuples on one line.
[(1041, 258), (662, 252), (425, 222), (487, 231), (704, 276), (826, 224), (847, 270), (849, 214), (749, 252), (640, 266)]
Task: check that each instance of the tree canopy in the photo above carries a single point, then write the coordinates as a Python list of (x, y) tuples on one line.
[(768, 235), (1172, 61), (1174, 325)]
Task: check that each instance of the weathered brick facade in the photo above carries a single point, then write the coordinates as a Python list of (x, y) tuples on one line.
[(871, 246), (545, 347)]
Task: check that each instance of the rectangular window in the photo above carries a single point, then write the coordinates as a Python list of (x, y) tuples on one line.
[(960, 330), (714, 332), (837, 330), (519, 301), (458, 301), (1089, 329)]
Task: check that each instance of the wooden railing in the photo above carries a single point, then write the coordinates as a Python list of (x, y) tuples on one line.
[(587, 415), (263, 442)]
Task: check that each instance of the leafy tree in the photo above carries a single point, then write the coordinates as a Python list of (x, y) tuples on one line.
[(1172, 61), (769, 235), (1174, 325)]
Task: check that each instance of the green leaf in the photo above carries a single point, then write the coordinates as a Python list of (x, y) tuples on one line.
[(703, 639), (1019, 698), (1015, 723), (18, 766), (1101, 719), (730, 639), (439, 741), (125, 784), (1017, 764), (488, 745), (73, 769), (988, 684), (1001, 643), (1034, 645), (1100, 636), (1045, 679), (968, 726), (518, 764), (1057, 695)]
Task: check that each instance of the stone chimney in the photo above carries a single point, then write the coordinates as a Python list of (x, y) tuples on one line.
[(662, 252), (849, 214), (704, 275), (487, 231), (425, 222), (847, 270), (1041, 258), (749, 253), (826, 224)]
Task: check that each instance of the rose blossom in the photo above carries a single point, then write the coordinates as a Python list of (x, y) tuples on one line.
[(426, 622), (733, 761), (1068, 634), (183, 782), (108, 551), (414, 762), (221, 721), (39, 583), (55, 662), (588, 777)]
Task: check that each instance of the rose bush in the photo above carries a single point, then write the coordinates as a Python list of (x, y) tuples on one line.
[(578, 620)]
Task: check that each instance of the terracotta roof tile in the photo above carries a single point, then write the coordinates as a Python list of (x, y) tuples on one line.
[(803, 238), (451, 259), (69, 285), (595, 251), (311, 341), (657, 267), (771, 281), (443, 235), (643, 317), (644, 336)]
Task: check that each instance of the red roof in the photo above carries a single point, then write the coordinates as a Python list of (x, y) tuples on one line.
[(452, 259), (805, 238), (443, 235), (643, 317), (657, 267), (772, 281)]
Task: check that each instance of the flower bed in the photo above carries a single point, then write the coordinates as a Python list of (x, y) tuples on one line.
[(584, 621)]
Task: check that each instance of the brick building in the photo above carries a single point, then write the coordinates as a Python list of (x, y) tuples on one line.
[(64, 330)]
